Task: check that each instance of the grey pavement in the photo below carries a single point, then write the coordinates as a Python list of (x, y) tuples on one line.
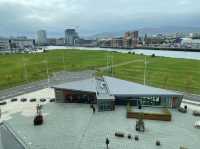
[(74, 126)]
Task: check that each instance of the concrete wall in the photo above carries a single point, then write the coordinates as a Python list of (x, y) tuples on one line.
[(9, 139)]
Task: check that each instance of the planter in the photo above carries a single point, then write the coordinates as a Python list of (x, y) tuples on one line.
[(52, 100), (38, 120), (182, 110), (3, 103), (42, 100), (23, 100), (13, 100), (33, 100)]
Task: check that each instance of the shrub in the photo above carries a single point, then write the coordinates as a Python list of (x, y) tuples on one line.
[(129, 136), (23, 99), (119, 134), (33, 100), (14, 99), (3, 103), (158, 143), (153, 55), (42, 100), (136, 137)]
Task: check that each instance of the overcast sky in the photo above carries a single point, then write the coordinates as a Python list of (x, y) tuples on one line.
[(25, 17)]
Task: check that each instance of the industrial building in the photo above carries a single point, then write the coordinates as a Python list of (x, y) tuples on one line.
[(107, 92), (71, 37)]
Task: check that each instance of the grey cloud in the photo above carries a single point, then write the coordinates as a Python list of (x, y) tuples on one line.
[(94, 15)]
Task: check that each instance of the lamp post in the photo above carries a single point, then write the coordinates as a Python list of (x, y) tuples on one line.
[(47, 71), (25, 70), (64, 60), (145, 67)]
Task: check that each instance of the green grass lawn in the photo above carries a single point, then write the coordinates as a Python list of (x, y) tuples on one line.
[(17, 69), (170, 73)]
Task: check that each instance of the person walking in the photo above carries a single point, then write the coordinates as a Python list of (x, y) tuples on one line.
[(107, 143), (93, 108)]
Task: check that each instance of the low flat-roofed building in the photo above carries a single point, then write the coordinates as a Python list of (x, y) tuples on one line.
[(4, 44), (116, 92)]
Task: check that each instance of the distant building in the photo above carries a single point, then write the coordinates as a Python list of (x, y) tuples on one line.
[(71, 37), (130, 39), (41, 37), (117, 42), (16, 43), (4, 44), (105, 43), (51, 41), (21, 44), (60, 42), (194, 35), (190, 43), (86, 43)]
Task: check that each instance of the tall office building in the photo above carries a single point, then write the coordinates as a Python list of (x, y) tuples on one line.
[(71, 37), (131, 39), (41, 37)]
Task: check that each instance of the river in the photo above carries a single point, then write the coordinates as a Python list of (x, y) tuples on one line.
[(164, 53)]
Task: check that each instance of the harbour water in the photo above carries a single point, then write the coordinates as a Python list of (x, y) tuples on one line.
[(164, 53)]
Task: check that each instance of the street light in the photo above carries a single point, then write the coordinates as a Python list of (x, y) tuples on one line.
[(145, 67), (64, 60), (25, 70), (47, 71)]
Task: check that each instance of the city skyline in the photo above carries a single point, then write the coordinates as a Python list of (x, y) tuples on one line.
[(25, 17)]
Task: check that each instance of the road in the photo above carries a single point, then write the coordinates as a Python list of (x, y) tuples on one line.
[(57, 78)]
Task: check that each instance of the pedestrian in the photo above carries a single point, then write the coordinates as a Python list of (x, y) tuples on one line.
[(107, 142), (91, 105), (93, 108)]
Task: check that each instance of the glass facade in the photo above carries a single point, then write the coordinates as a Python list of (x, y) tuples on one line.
[(105, 105), (150, 101)]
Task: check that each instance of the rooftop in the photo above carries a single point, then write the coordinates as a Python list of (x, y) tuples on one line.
[(88, 85), (123, 87), (78, 128), (114, 86)]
